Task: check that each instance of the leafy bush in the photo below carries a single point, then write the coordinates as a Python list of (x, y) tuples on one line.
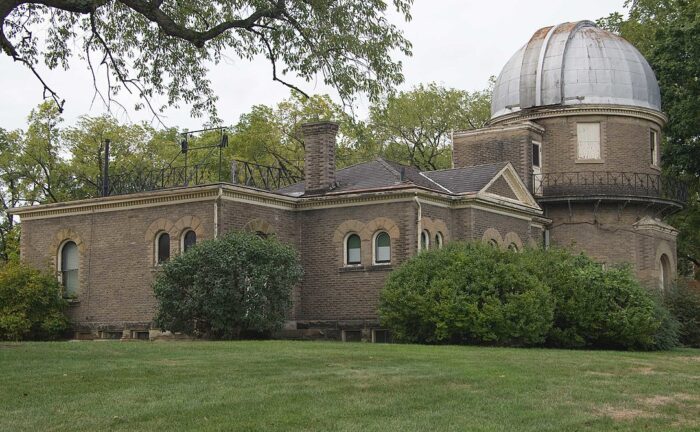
[(31, 307), (596, 307), (466, 293), (474, 293), (684, 303), (237, 285)]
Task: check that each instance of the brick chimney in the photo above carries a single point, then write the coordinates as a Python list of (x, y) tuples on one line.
[(319, 159)]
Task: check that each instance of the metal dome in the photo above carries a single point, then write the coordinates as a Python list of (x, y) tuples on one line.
[(575, 64)]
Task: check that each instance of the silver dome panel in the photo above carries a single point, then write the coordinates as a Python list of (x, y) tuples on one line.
[(575, 64)]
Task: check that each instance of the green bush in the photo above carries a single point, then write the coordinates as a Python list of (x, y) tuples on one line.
[(31, 307), (684, 303), (466, 293), (235, 286), (597, 307), (473, 293)]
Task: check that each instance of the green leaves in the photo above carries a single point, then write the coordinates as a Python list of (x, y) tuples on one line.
[(238, 285), (415, 127), (31, 307), (166, 48), (474, 293)]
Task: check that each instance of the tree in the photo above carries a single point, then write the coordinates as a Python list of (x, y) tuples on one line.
[(415, 127), (273, 136), (164, 47), (228, 287), (667, 32), (12, 192)]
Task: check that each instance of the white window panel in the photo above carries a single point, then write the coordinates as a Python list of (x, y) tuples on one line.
[(588, 136)]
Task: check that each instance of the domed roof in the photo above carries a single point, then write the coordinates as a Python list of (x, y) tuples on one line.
[(574, 64)]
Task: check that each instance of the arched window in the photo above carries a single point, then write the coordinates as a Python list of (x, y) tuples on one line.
[(438, 240), (424, 240), (353, 247), (382, 248), (162, 248), (665, 277), (189, 240), (513, 247), (70, 262), (493, 243)]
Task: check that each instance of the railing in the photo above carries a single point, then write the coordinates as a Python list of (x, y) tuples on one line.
[(597, 183), (238, 172)]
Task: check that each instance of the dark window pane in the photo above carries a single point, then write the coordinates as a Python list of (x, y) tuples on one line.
[(535, 155), (353, 249), (189, 240), (163, 248)]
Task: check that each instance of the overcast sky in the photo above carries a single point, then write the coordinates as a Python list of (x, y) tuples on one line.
[(456, 43)]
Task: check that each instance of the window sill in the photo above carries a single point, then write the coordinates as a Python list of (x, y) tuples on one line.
[(655, 167), (71, 301), (351, 268), (589, 161), (381, 267)]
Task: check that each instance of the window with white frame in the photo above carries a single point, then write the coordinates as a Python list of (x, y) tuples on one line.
[(70, 263), (438, 240), (424, 240), (588, 138), (353, 250), (382, 248), (162, 248), (654, 147)]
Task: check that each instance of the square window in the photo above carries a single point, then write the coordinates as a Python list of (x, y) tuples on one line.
[(352, 336)]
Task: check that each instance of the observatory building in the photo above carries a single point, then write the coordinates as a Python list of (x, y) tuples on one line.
[(570, 157)]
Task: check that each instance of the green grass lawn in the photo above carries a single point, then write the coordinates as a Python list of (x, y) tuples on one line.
[(314, 386)]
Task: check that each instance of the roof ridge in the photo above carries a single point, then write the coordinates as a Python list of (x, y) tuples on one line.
[(464, 167), (388, 167)]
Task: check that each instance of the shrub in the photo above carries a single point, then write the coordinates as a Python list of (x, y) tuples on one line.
[(31, 307), (466, 293), (473, 293), (596, 307), (684, 303), (237, 285)]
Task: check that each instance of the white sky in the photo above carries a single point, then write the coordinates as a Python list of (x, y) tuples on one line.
[(455, 43)]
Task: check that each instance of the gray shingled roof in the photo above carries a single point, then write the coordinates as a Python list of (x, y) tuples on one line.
[(467, 179), (382, 174)]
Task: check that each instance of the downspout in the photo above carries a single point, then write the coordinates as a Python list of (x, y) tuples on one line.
[(419, 228), (216, 212)]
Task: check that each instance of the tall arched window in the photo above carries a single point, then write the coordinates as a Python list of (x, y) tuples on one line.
[(382, 248), (163, 248), (665, 276), (424, 240), (189, 240), (70, 262), (353, 248), (438, 240)]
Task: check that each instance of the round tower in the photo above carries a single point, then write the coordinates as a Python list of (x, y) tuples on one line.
[(592, 158)]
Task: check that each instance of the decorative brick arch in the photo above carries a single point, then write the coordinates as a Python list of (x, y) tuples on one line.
[(434, 226), (380, 224), (343, 231), (662, 249), (184, 224), (158, 226), (60, 238), (512, 238), (259, 225), (492, 234)]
